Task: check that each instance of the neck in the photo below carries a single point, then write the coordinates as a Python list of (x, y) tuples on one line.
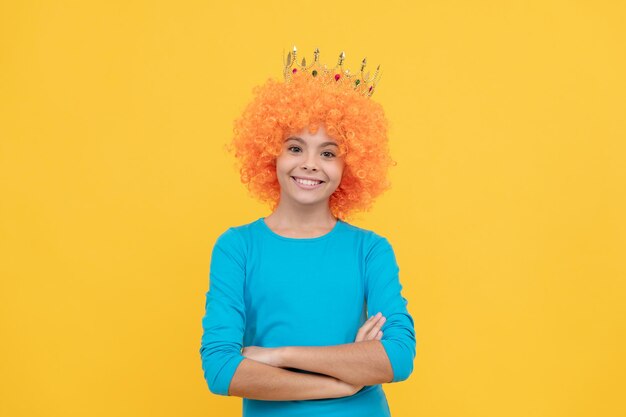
[(301, 216)]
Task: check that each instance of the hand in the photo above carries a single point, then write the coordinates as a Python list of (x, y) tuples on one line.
[(371, 329), (269, 356)]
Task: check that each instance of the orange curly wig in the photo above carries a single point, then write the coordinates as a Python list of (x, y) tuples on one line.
[(356, 122)]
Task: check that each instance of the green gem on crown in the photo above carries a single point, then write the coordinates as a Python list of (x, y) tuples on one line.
[(314, 73), (357, 82)]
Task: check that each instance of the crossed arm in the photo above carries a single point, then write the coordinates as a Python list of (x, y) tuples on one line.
[(363, 363), (344, 369)]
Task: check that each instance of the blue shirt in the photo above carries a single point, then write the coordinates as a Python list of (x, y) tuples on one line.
[(270, 290)]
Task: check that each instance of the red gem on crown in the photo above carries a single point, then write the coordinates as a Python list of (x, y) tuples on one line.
[(337, 77)]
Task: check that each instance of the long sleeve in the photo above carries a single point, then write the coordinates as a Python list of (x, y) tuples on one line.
[(383, 290), (225, 316)]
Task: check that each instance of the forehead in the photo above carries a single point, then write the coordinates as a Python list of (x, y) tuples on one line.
[(304, 137)]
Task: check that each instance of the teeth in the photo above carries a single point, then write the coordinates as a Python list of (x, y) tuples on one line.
[(307, 182)]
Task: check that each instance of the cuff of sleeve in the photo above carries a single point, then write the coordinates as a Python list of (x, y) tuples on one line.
[(398, 360), (225, 375)]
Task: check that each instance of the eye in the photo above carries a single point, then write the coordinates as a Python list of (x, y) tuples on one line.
[(293, 147), (329, 152)]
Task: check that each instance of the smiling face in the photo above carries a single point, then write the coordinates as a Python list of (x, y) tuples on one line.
[(313, 157)]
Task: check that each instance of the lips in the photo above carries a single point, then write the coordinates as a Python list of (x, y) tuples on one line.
[(306, 186), (307, 178)]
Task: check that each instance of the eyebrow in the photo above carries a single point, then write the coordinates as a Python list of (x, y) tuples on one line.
[(304, 143)]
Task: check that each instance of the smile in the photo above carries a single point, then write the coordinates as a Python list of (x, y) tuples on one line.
[(307, 184)]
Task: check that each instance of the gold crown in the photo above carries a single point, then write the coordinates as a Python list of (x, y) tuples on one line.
[(362, 83)]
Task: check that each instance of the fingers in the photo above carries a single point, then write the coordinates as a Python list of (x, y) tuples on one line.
[(376, 329), (371, 329)]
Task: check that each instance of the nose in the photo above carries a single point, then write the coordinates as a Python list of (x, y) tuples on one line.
[(309, 163)]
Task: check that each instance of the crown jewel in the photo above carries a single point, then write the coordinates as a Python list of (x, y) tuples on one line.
[(361, 82)]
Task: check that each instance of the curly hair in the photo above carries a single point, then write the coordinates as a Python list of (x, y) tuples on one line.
[(355, 121)]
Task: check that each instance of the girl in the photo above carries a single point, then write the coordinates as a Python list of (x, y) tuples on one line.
[(286, 324)]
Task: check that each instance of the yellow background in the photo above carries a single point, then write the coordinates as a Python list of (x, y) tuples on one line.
[(507, 212)]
